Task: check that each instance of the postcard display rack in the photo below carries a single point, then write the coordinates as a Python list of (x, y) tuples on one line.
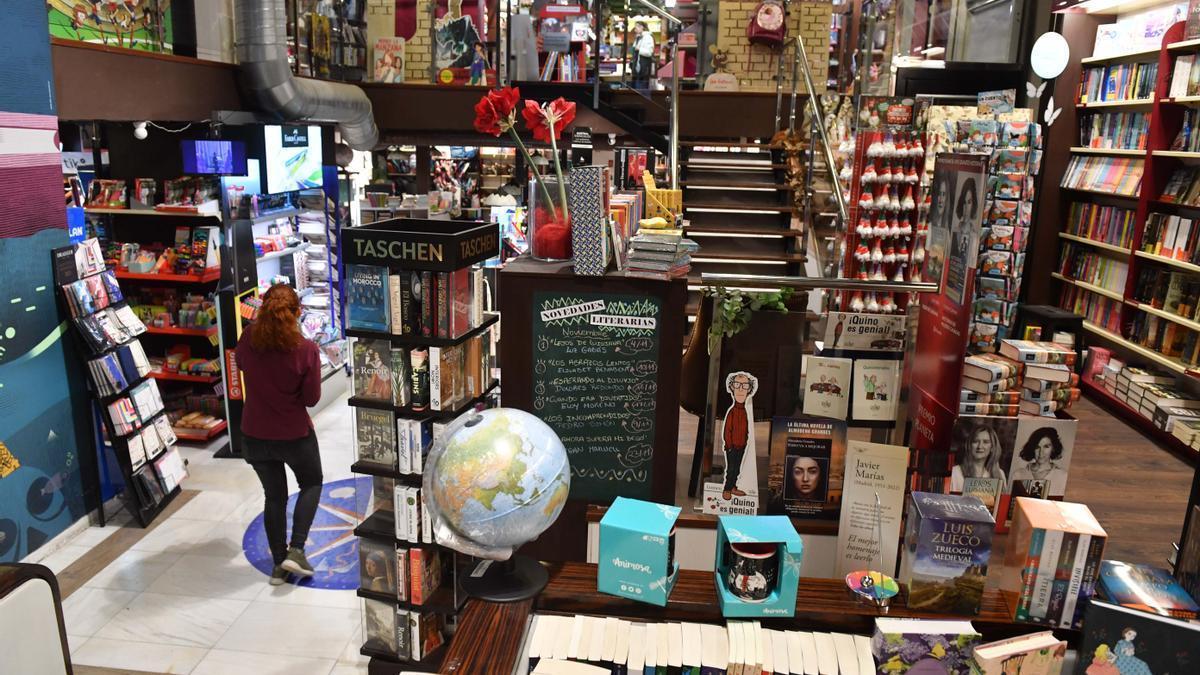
[(411, 590), (886, 228), (1119, 225), (120, 381)]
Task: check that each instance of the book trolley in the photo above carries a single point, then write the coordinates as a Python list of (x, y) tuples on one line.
[(120, 381), (402, 595)]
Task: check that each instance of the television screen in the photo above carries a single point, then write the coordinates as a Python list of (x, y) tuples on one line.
[(293, 158), (222, 158)]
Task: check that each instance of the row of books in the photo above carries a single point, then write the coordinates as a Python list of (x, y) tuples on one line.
[(109, 327), (410, 575), (1118, 82), (1108, 224), (150, 442), (129, 413), (1183, 187), (1082, 263), (415, 303), (409, 635), (1120, 130), (1166, 337), (1188, 138), (1116, 175), (92, 293), (1185, 77), (434, 378), (411, 517), (1151, 394), (1172, 237), (395, 443), (112, 373), (1098, 309), (1170, 291)]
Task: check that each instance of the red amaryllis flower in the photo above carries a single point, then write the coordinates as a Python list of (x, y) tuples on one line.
[(487, 120), (505, 100), (540, 119)]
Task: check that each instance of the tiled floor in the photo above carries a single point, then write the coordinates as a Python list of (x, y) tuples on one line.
[(185, 600)]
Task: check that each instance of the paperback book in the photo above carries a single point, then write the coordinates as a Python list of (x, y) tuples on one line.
[(807, 467)]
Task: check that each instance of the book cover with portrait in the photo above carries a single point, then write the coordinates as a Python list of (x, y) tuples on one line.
[(1038, 462), (807, 467)]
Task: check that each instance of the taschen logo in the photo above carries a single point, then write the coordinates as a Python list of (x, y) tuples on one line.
[(627, 565)]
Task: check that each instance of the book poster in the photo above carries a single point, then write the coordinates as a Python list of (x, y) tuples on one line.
[(827, 386), (865, 332), (876, 385), (962, 216), (1042, 452), (983, 449), (871, 469), (389, 59), (807, 467)]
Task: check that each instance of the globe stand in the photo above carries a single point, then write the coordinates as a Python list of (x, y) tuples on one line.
[(518, 578)]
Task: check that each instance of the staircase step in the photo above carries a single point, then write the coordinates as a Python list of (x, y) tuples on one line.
[(723, 257), (722, 183), (743, 231), (729, 165), (723, 207)]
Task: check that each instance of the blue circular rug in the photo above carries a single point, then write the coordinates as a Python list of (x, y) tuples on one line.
[(332, 547)]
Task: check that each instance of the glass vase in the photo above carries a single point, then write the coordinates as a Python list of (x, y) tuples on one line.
[(549, 223)]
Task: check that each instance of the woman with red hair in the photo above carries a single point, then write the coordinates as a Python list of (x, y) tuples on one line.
[(282, 371)]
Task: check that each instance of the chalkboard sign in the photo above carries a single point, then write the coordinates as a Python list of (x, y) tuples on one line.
[(595, 382)]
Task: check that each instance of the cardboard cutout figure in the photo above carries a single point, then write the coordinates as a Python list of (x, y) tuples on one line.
[(738, 491)]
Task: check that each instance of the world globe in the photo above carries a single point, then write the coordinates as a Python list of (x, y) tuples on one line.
[(495, 480)]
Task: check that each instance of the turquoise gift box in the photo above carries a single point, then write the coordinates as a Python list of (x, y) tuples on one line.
[(634, 549), (789, 552)]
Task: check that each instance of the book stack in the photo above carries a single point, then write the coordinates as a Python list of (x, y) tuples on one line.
[(582, 645), (1053, 562), (1108, 224), (1050, 383), (1118, 82), (991, 386), (1095, 173), (1013, 165), (415, 303), (1124, 130), (1033, 653), (660, 254), (1188, 432), (1145, 588)]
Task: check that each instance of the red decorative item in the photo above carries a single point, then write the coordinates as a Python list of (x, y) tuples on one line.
[(551, 236), (558, 112)]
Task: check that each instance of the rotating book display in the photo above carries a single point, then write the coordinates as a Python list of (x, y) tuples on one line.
[(121, 381), (420, 357)]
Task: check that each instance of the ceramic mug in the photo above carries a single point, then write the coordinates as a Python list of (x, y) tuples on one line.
[(753, 570)]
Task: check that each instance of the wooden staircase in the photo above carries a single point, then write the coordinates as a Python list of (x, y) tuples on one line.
[(739, 210)]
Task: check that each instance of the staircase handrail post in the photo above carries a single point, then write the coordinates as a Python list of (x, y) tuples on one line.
[(819, 124), (676, 74)]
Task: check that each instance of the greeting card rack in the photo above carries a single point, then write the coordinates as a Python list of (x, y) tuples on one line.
[(410, 245), (144, 505)]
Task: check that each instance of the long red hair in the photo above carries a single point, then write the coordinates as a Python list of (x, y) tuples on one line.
[(277, 327)]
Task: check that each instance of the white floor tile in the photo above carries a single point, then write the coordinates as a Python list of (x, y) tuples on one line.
[(349, 669), (63, 557), (225, 662), (175, 535), (229, 475), (88, 609), (138, 656), (247, 510), (133, 570), (223, 540), (211, 577), (94, 535), (352, 654), (291, 594), (211, 505), (174, 619), (290, 630)]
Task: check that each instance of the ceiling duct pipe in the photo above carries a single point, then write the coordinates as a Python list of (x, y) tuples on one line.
[(260, 32)]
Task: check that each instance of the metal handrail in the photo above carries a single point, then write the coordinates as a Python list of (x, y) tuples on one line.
[(676, 73), (818, 121), (818, 283)]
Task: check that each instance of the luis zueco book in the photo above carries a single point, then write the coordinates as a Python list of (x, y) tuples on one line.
[(947, 545)]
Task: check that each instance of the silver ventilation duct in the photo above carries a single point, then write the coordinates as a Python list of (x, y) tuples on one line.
[(261, 36)]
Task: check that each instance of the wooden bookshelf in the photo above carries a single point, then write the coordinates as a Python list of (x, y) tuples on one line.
[(1092, 242), (1169, 316), (1191, 101), (1090, 287), (1185, 266), (1193, 156), (1184, 46), (1097, 193), (1128, 57), (1167, 362), (1110, 105), (1115, 152)]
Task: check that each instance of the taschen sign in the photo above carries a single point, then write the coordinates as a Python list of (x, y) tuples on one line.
[(418, 244)]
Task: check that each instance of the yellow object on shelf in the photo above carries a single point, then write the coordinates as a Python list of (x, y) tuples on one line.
[(661, 203), (655, 223)]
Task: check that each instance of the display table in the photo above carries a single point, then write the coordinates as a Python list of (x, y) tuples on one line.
[(598, 359), (821, 604)]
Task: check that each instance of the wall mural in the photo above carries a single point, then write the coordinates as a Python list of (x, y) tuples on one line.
[(43, 410)]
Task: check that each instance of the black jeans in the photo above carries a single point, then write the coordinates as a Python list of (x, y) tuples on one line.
[(733, 466), (268, 458)]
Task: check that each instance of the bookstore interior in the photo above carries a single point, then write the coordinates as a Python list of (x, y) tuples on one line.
[(697, 337)]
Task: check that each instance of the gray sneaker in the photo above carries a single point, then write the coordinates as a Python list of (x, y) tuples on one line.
[(278, 576), (296, 563)]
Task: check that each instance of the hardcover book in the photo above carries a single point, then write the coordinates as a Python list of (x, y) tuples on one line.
[(1027, 351), (377, 566), (372, 369), (807, 467), (947, 544), (375, 436), (379, 625), (367, 295), (1121, 640), (1034, 654), (827, 386), (923, 646), (401, 382), (1145, 588)]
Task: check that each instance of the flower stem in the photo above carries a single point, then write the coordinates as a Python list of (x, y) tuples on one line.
[(537, 177), (562, 185)]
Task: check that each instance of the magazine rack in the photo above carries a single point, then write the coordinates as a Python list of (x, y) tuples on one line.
[(145, 495), (410, 245)]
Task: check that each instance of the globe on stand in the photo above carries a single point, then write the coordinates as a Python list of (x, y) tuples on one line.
[(495, 480)]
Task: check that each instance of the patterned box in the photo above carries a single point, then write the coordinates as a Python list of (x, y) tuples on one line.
[(587, 197)]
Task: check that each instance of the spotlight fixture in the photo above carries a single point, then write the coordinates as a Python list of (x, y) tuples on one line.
[(139, 130)]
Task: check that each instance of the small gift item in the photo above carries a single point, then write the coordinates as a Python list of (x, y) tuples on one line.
[(754, 571)]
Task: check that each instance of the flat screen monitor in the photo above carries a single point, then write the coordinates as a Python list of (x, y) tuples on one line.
[(293, 158), (220, 158)]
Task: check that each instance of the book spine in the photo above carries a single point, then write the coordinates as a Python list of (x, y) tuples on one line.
[(1091, 574), (1066, 616), (399, 519), (414, 514), (1029, 572), (403, 452), (395, 308), (443, 305), (406, 304), (435, 378), (426, 523), (417, 575), (1045, 575), (402, 574), (1062, 577), (427, 295)]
